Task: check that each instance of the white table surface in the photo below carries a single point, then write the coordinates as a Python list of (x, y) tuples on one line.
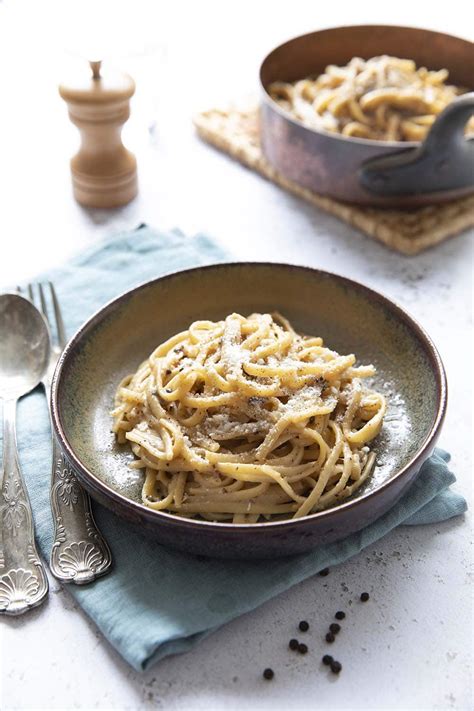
[(410, 646)]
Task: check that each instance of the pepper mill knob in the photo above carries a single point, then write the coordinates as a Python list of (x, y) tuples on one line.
[(95, 66), (104, 172)]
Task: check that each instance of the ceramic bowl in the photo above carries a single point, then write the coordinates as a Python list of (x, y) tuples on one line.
[(350, 317)]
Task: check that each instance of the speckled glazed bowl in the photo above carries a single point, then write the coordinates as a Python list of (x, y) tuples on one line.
[(350, 318)]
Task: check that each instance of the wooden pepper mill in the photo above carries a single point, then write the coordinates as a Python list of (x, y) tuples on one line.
[(104, 172)]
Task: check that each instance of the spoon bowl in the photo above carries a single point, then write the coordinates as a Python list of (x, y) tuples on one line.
[(24, 346)]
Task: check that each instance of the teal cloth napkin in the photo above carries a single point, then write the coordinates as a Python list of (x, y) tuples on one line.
[(158, 602)]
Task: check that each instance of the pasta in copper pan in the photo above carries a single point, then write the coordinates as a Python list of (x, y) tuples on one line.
[(244, 420), (382, 98)]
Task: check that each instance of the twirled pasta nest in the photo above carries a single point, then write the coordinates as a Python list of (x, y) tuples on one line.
[(244, 420)]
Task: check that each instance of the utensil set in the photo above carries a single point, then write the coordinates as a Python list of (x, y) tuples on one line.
[(32, 337)]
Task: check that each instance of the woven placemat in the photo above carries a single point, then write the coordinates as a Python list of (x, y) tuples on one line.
[(235, 131)]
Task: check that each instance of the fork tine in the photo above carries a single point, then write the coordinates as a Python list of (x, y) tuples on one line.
[(44, 307), (59, 318), (31, 295), (19, 290)]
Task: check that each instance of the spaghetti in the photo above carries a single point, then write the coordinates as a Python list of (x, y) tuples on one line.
[(382, 98), (244, 420)]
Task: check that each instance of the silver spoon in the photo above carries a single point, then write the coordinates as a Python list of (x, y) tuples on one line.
[(24, 357)]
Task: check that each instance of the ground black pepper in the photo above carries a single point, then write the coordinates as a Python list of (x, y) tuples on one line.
[(336, 667), (324, 572), (293, 644), (302, 648), (327, 659), (268, 674), (335, 628), (364, 597), (330, 637), (340, 615), (304, 626)]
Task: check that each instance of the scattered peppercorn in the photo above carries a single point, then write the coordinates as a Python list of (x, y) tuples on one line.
[(330, 637), (364, 597), (335, 628), (268, 674), (293, 644), (302, 648), (304, 626), (336, 667), (340, 615), (324, 572), (327, 660)]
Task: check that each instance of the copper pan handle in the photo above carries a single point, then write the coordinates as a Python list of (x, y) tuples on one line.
[(443, 162)]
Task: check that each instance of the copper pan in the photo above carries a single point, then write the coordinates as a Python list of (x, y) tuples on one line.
[(362, 171)]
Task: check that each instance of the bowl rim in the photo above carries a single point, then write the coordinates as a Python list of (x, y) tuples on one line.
[(195, 524), (321, 131)]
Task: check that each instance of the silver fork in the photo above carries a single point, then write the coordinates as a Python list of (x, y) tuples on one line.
[(80, 553)]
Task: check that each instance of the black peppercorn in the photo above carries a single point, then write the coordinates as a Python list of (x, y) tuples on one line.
[(302, 648), (324, 572), (364, 597), (330, 637), (340, 615), (293, 644), (335, 628), (268, 674), (327, 659), (304, 626), (336, 667)]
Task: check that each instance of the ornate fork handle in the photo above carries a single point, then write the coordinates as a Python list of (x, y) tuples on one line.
[(80, 553), (23, 582)]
